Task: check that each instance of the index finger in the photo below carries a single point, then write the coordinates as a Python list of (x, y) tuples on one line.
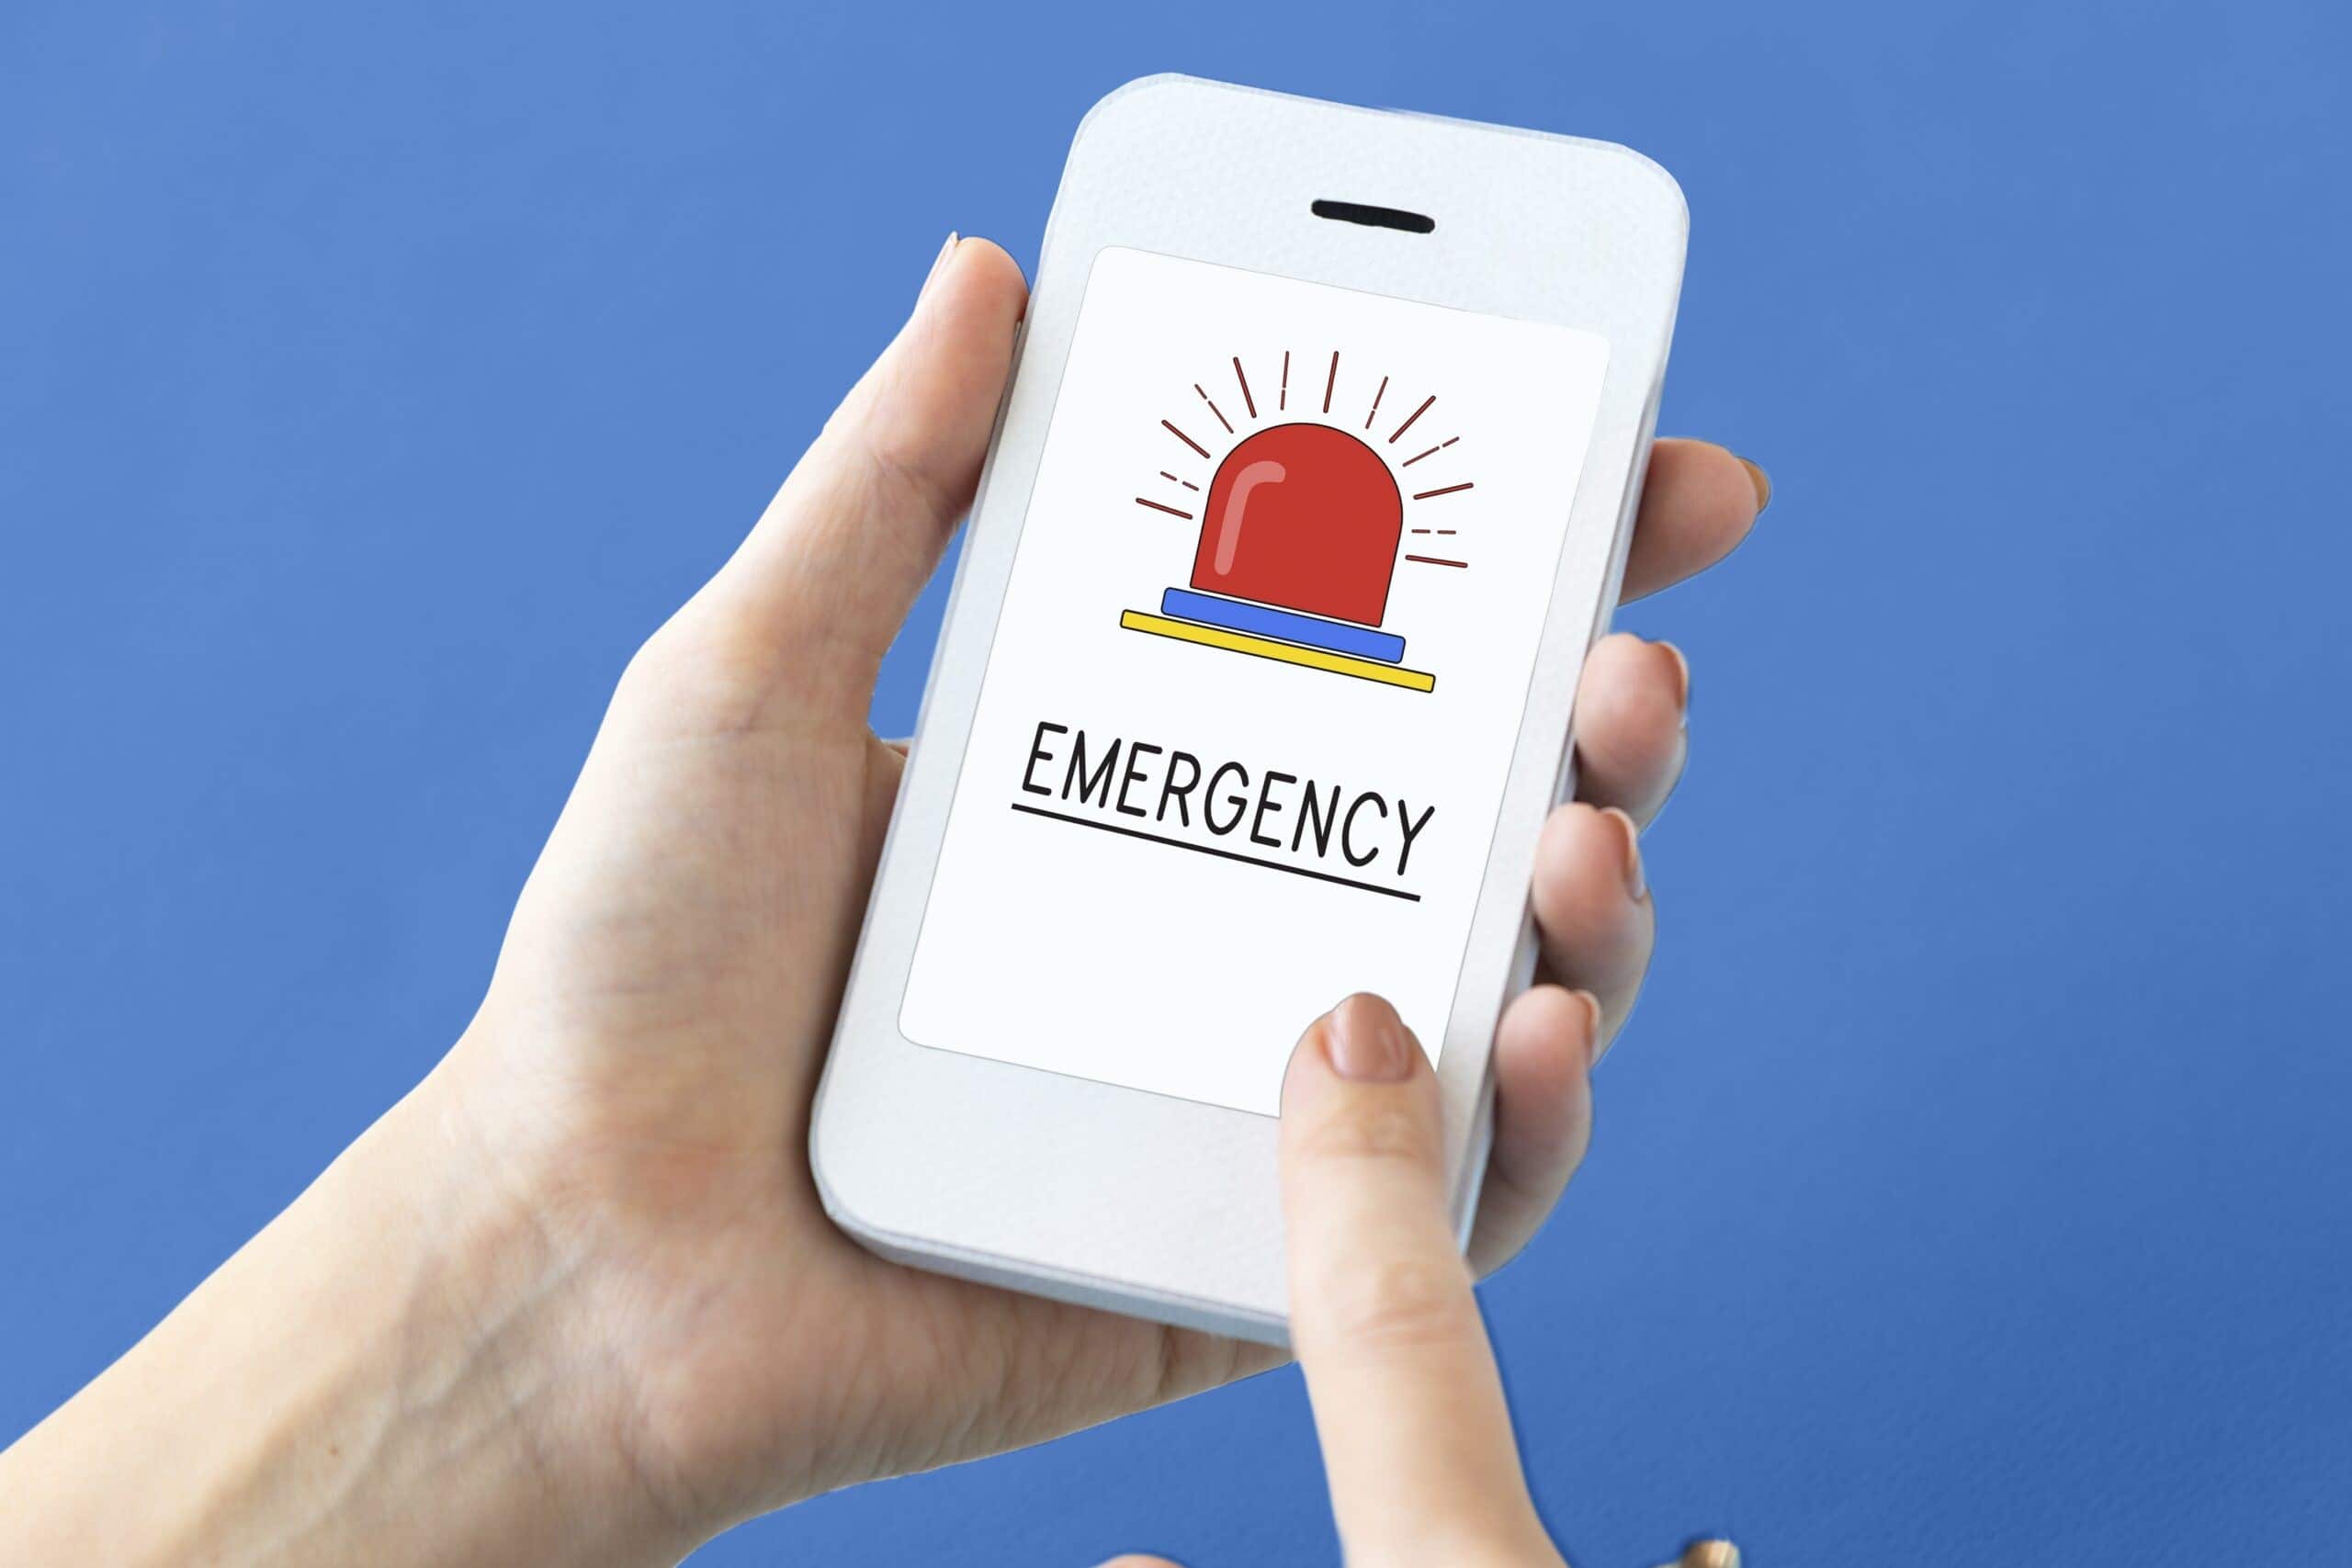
[(1417, 1439), (1698, 504)]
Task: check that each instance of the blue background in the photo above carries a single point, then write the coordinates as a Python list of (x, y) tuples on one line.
[(1975, 1183)]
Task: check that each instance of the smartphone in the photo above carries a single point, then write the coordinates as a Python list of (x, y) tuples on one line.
[(1310, 493)]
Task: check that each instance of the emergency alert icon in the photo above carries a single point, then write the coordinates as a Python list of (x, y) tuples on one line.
[(1302, 528)]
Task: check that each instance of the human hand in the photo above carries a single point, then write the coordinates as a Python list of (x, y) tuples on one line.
[(641, 1073), (575, 1298), (1417, 1442)]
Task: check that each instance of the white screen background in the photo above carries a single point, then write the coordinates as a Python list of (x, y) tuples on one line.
[(1134, 963)]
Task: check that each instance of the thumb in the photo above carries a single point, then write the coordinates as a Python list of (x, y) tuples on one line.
[(817, 588)]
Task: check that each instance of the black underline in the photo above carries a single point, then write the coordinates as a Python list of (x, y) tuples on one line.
[(1222, 854)]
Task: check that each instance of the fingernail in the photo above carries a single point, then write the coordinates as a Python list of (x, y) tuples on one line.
[(940, 260), (1761, 480), (1681, 681), (1637, 886), (1710, 1554), (1591, 1028), (1367, 1042)]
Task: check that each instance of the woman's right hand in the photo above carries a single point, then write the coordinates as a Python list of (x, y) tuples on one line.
[(1408, 1406)]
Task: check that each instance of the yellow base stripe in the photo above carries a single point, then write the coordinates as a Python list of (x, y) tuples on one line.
[(1287, 652)]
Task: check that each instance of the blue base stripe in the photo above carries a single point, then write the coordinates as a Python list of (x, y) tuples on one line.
[(1263, 620)]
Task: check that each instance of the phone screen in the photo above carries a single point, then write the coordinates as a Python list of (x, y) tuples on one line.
[(1256, 678)]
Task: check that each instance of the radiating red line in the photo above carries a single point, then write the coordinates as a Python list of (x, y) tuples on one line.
[(1410, 418), (1186, 439), (1332, 380), (1169, 509), (1186, 483), (1433, 560), (1286, 393), (1214, 408), (1250, 402), (1430, 453), (1424, 495), (1375, 403)]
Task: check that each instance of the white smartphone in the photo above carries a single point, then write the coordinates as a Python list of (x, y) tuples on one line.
[(1309, 495)]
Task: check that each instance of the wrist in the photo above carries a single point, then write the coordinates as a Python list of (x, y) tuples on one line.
[(510, 1401), (579, 1234), (390, 1370)]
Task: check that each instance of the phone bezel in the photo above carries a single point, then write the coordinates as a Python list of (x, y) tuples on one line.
[(1136, 1202)]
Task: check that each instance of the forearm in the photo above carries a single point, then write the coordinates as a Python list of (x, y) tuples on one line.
[(386, 1372)]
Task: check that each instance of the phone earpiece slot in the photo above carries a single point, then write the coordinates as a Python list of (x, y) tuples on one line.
[(1374, 217)]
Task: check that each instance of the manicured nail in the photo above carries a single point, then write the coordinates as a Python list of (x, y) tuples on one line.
[(1591, 1028), (1681, 681), (1637, 886), (1710, 1554), (940, 260), (1761, 480), (1367, 1042)]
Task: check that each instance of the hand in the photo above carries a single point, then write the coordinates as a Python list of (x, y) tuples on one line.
[(577, 1289), (1417, 1443), (643, 1064)]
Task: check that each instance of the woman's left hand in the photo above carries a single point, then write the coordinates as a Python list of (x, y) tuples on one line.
[(578, 1288), (642, 1069)]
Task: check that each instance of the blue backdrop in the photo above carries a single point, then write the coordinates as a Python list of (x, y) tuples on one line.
[(1974, 1185)]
